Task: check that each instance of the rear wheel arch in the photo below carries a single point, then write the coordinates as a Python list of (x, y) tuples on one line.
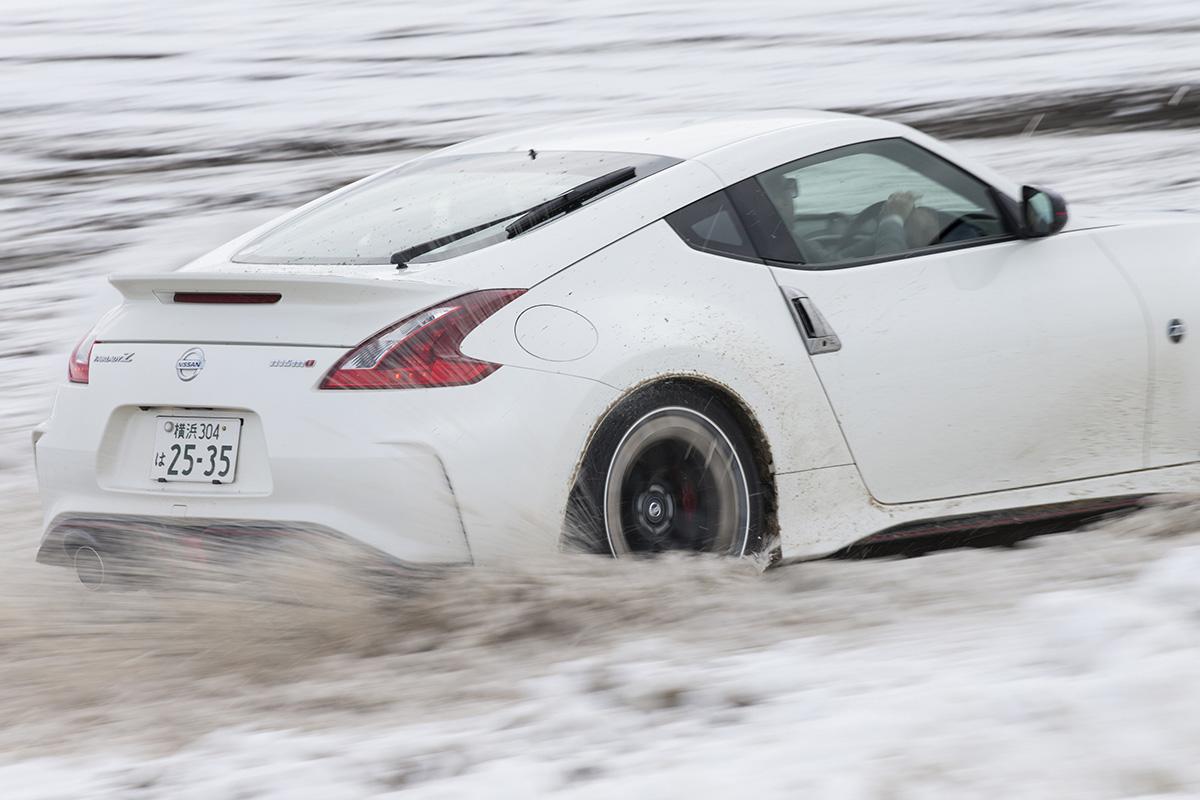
[(579, 529)]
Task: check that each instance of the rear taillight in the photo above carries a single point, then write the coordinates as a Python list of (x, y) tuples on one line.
[(422, 351), (81, 359)]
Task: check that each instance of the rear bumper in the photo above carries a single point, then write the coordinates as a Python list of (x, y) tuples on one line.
[(151, 537), (396, 499), (456, 475)]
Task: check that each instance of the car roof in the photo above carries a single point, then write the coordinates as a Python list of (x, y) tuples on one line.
[(680, 136)]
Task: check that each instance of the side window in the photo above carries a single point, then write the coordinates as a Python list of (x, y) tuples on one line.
[(876, 200), (710, 224)]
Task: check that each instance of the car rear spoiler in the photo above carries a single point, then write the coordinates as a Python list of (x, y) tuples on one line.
[(323, 310)]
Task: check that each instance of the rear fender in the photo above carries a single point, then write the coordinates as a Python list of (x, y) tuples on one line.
[(660, 308)]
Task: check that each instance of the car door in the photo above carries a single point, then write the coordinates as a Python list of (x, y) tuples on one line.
[(958, 358)]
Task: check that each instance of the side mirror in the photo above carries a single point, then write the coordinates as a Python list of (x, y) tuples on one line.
[(1043, 212)]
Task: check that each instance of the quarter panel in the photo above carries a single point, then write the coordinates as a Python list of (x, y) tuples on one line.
[(662, 308)]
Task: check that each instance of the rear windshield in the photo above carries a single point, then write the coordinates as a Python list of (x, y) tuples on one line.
[(430, 198)]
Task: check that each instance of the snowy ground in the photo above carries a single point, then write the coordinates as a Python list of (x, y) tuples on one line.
[(133, 137), (1062, 668)]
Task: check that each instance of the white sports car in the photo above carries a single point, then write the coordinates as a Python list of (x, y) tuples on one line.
[(722, 335)]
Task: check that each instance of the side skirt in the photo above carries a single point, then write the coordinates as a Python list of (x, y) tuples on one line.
[(973, 523), (824, 510)]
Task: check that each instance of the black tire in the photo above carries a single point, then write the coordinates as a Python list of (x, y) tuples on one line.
[(646, 487)]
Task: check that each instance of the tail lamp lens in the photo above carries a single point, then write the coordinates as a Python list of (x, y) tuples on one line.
[(422, 351), (81, 359)]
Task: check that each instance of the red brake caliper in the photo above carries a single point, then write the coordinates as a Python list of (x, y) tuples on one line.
[(688, 499)]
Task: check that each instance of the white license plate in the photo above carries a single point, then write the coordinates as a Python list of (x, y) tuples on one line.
[(197, 449)]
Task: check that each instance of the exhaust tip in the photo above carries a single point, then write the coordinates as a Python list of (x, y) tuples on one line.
[(89, 566)]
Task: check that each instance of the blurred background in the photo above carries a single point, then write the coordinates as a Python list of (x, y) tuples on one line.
[(135, 136)]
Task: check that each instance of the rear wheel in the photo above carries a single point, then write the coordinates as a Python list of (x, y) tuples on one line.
[(670, 469)]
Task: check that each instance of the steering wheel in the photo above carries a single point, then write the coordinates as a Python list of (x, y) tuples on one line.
[(964, 224), (828, 243), (835, 225), (861, 218)]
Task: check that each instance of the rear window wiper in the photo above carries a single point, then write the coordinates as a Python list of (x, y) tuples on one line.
[(529, 218), (569, 200), (401, 257)]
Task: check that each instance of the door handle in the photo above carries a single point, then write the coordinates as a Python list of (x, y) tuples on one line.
[(816, 331)]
